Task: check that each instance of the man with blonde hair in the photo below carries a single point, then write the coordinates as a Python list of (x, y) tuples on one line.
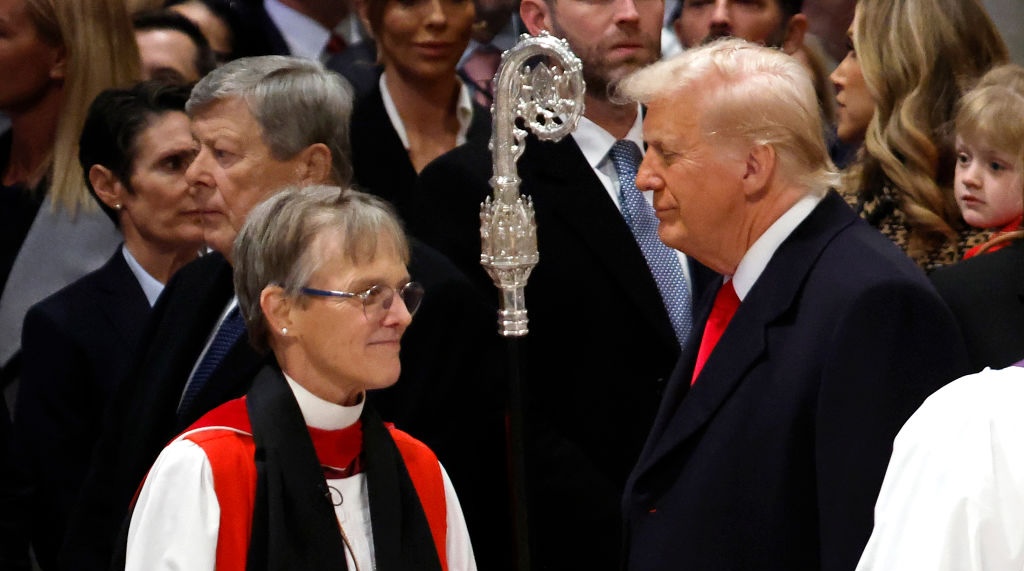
[(769, 447)]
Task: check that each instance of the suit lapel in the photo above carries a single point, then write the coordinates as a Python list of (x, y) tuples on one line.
[(572, 192), (685, 410), (126, 306)]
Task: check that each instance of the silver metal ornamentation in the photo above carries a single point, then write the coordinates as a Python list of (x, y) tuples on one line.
[(547, 101)]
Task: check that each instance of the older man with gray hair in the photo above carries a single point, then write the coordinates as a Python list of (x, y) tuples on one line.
[(772, 438)]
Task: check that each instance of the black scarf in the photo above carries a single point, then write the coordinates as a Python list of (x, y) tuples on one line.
[(293, 523)]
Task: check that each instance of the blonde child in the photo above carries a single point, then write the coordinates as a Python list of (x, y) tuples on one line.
[(989, 177)]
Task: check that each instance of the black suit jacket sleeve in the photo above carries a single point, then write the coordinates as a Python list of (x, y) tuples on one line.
[(56, 422)]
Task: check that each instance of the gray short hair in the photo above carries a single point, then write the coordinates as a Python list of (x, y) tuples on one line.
[(282, 242), (750, 92), (295, 101)]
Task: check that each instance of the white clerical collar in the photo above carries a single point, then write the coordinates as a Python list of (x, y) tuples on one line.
[(304, 35), (463, 112), (594, 142), (322, 414), (150, 285), (760, 253)]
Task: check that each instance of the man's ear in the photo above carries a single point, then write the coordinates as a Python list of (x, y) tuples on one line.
[(277, 308), (796, 29), (107, 187), (536, 15), (760, 168), (315, 164)]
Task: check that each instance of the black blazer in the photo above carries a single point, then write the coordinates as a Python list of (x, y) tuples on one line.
[(986, 295), (260, 36), (143, 417), (774, 459), (77, 346), (600, 344), (379, 159)]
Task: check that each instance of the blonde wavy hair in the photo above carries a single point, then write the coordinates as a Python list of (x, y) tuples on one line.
[(918, 57), (101, 53)]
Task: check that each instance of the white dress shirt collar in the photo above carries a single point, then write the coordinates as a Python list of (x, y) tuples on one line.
[(760, 253), (463, 112), (595, 142), (150, 285), (304, 35)]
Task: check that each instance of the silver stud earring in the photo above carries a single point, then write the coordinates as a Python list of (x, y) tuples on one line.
[(117, 206)]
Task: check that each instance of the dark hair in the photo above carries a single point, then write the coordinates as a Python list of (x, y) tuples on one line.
[(171, 20), (113, 124), (247, 37), (790, 8)]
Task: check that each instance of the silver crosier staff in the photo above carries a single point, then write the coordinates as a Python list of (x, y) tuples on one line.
[(547, 101), (538, 88)]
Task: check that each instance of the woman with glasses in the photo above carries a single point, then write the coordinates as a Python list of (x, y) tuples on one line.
[(301, 473)]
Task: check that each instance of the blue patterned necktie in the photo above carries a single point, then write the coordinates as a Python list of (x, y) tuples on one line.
[(663, 261), (230, 330)]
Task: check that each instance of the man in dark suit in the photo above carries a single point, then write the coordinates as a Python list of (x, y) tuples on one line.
[(601, 340), (832, 338)]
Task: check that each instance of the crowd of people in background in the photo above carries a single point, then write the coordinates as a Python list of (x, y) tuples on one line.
[(777, 321)]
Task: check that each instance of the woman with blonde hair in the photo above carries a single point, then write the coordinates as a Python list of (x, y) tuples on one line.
[(55, 58), (916, 57)]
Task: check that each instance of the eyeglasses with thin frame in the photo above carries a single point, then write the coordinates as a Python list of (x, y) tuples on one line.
[(377, 299)]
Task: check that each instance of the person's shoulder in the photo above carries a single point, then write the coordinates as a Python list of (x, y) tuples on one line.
[(991, 398), (232, 416), (466, 154), (198, 276), (411, 448), (464, 170), (1000, 265), (76, 298)]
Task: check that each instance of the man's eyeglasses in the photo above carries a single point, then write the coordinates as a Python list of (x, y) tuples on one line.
[(378, 299)]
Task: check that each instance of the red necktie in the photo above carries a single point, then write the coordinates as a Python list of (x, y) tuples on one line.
[(335, 44), (726, 303)]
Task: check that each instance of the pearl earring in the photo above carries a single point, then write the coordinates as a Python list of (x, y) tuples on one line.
[(117, 206), (284, 331)]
